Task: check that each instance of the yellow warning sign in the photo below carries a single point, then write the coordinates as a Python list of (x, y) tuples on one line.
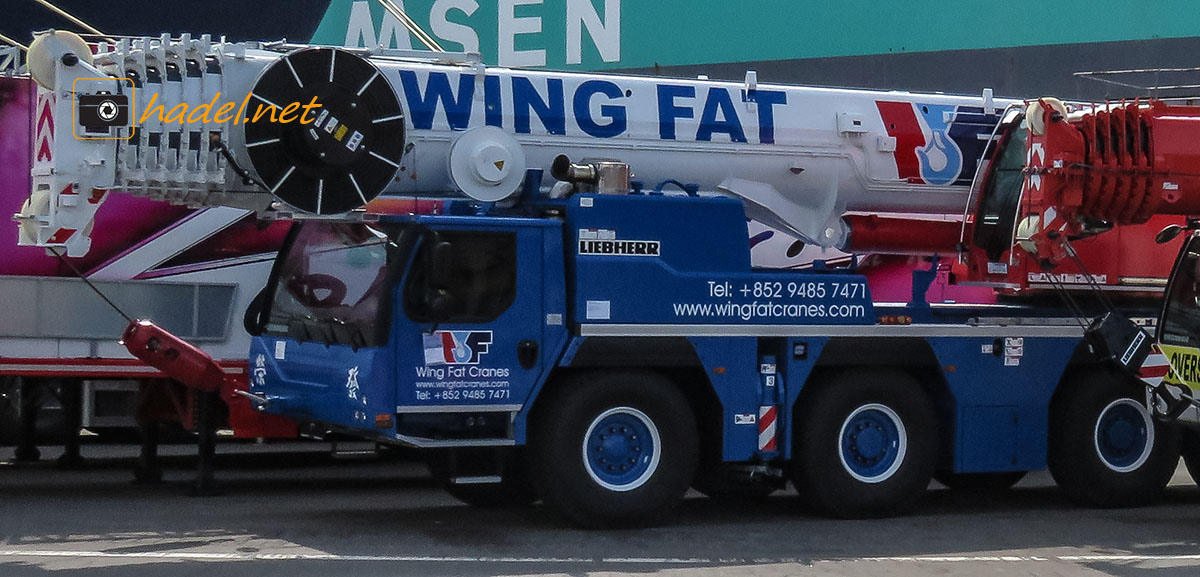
[(341, 133), (1185, 365)]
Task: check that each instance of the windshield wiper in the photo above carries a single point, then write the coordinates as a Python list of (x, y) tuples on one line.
[(348, 334)]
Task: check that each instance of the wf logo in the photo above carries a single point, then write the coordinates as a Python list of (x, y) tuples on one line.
[(936, 143), (941, 159), (456, 347)]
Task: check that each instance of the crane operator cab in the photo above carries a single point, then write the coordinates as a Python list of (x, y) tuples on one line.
[(1180, 322)]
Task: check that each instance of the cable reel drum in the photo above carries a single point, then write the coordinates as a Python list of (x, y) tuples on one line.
[(346, 152)]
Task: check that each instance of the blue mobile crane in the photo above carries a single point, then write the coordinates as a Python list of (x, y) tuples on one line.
[(593, 339), (609, 375)]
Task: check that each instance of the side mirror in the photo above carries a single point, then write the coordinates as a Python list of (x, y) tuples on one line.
[(439, 302), (440, 305), (441, 262), (254, 319), (1168, 234)]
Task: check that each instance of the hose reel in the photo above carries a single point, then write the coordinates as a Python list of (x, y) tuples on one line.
[(328, 159)]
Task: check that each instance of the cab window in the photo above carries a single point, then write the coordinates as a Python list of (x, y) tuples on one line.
[(330, 284), (1180, 324), (1002, 193), (480, 283)]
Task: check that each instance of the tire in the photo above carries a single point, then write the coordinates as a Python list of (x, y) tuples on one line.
[(1190, 449), (614, 449), (513, 490), (10, 413), (866, 444), (1105, 449), (51, 420), (979, 482)]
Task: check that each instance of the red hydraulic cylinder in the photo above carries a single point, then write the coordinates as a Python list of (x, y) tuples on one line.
[(889, 235), (173, 356)]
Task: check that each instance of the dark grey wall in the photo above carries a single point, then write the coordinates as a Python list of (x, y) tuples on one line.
[(1025, 72)]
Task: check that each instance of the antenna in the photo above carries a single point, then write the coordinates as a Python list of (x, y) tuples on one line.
[(408, 23), (8, 40), (1148, 80), (74, 20)]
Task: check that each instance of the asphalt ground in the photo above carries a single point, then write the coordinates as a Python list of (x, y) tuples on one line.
[(294, 510)]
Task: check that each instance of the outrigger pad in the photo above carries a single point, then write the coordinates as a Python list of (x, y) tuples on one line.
[(1117, 339)]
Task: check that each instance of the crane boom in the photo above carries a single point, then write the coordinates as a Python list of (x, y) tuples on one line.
[(324, 131)]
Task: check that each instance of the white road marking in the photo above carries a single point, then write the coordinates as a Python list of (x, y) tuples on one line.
[(233, 556)]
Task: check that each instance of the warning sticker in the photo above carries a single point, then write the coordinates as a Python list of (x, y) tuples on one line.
[(1185, 365)]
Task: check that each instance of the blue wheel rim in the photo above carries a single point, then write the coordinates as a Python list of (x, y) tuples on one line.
[(1124, 435), (872, 443), (621, 449)]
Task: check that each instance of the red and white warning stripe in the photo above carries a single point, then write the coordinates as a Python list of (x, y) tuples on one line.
[(766, 428), (1155, 368)]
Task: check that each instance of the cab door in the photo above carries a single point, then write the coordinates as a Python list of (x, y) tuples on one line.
[(1179, 326), (468, 329)]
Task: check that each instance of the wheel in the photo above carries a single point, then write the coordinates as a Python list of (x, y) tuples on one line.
[(614, 448), (1105, 449), (865, 444), (50, 426), (513, 490), (1190, 448), (979, 482), (10, 413)]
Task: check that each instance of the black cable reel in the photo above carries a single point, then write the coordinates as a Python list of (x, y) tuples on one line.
[(349, 149)]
